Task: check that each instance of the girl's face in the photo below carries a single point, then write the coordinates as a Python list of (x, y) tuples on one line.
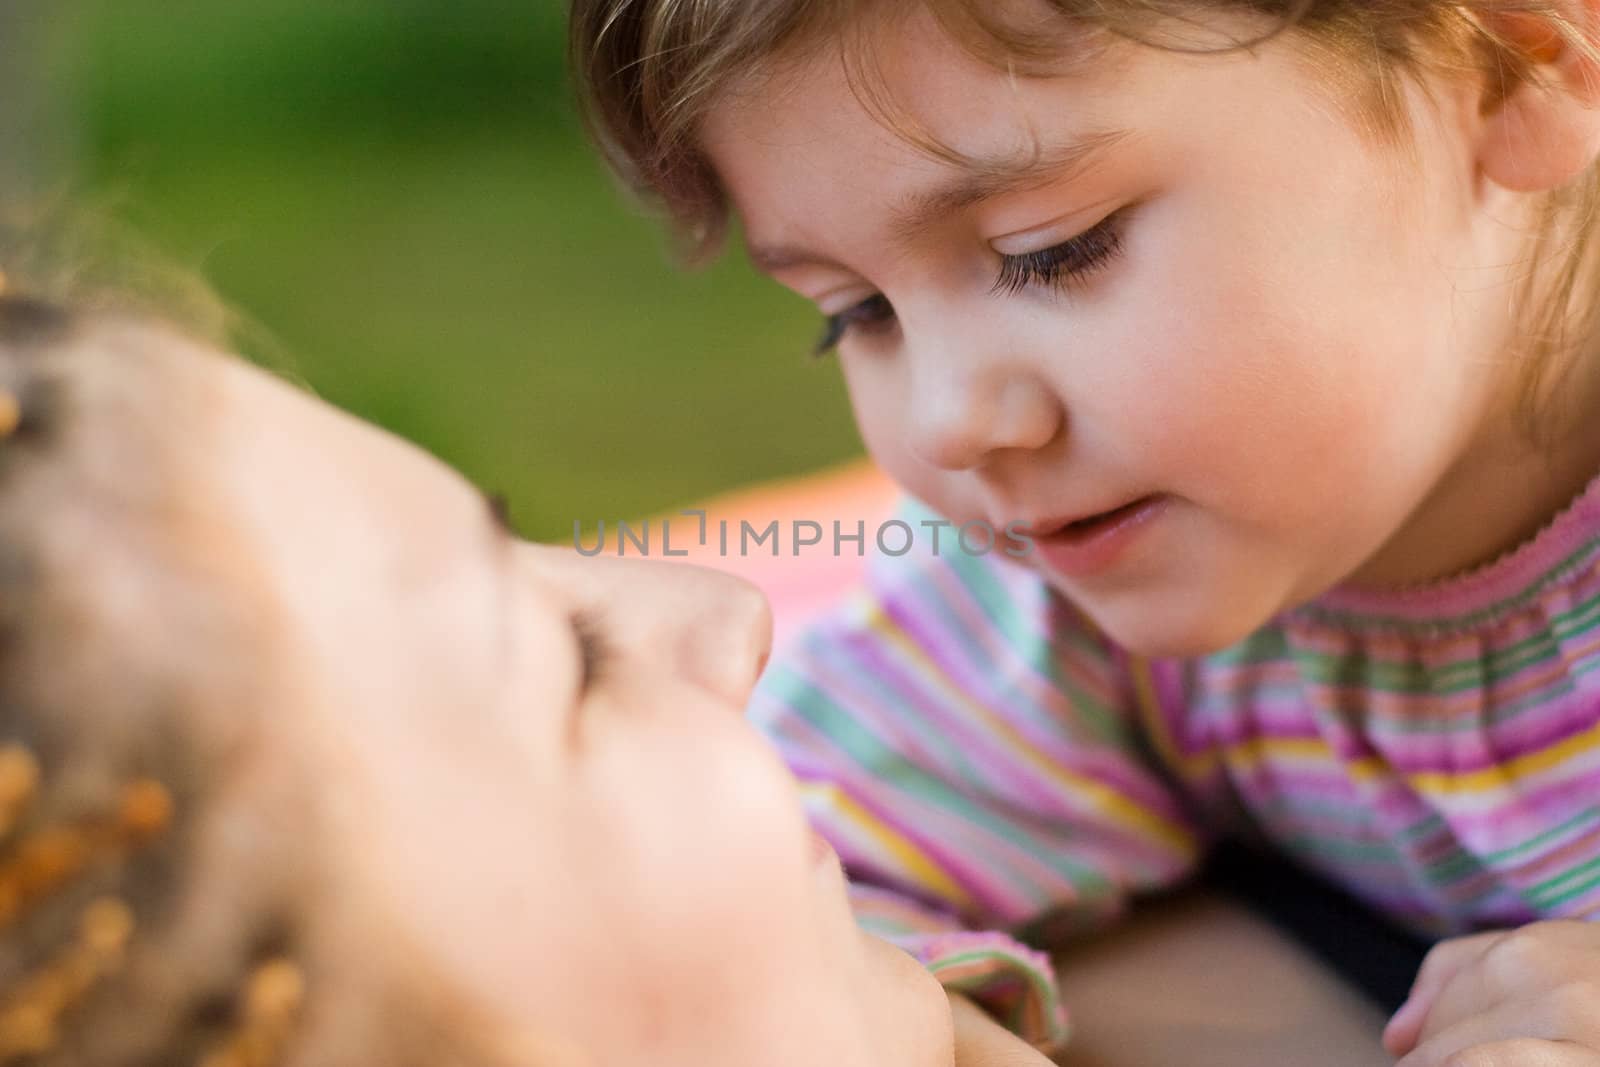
[(534, 766), (1186, 283)]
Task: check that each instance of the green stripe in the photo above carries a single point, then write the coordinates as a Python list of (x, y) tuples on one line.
[(1364, 851), (1409, 678), (1500, 716), (1453, 867), (884, 766), (1264, 646), (784, 679), (1430, 822), (976, 575), (1573, 893), (1506, 714), (1547, 890), (1293, 692), (1004, 616), (1535, 842)]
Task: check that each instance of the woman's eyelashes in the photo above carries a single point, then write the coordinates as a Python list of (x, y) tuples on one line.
[(595, 654), (1058, 267)]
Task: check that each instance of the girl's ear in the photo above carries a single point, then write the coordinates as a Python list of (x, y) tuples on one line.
[(1546, 130)]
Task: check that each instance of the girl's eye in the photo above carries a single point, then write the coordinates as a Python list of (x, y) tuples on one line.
[(873, 313), (1062, 265), (1059, 266)]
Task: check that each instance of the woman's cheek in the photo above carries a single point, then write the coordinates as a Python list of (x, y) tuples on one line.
[(693, 803)]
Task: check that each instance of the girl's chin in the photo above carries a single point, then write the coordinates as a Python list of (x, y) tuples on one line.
[(1170, 624)]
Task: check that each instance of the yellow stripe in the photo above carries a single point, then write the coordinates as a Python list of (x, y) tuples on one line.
[(1367, 768), (916, 863), (1195, 767), (1139, 819), (1490, 778), (1252, 752), (1244, 754)]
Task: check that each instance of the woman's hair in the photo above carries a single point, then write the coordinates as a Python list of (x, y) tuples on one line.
[(142, 921), (649, 70)]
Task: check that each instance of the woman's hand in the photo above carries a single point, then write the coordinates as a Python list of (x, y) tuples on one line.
[(1528, 997), (982, 1042)]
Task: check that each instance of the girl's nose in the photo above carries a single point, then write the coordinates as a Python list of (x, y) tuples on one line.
[(959, 416)]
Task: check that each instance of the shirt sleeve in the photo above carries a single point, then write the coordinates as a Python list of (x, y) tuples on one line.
[(965, 741)]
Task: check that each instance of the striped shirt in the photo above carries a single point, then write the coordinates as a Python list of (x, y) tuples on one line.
[(994, 773)]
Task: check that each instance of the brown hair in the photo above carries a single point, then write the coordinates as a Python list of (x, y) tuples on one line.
[(142, 920), (649, 70)]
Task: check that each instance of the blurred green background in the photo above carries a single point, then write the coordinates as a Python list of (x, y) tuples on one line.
[(399, 193)]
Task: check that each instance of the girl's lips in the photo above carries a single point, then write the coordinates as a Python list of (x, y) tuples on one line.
[(1092, 545)]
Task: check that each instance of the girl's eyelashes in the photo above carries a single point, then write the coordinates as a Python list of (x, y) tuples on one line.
[(1062, 265), (875, 312), (595, 653), (1058, 267)]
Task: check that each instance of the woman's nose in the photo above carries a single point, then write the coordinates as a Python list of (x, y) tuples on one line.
[(689, 623), (959, 415), (723, 635), (701, 625)]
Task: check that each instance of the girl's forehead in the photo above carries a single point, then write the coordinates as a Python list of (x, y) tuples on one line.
[(889, 103), (899, 72), (914, 89), (838, 162), (922, 112), (942, 79)]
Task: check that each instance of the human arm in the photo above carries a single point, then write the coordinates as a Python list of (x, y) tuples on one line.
[(1264, 1001), (1197, 978)]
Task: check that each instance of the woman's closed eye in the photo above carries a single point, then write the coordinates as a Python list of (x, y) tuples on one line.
[(595, 653), (1058, 267)]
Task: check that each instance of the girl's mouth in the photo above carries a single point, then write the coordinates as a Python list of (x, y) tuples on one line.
[(1095, 543)]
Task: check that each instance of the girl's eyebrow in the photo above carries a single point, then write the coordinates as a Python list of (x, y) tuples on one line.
[(981, 178), (975, 179), (772, 258)]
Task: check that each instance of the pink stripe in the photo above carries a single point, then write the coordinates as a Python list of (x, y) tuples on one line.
[(1075, 749), (1091, 676), (1509, 576)]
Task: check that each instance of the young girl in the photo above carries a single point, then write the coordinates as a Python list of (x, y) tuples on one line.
[(1272, 324)]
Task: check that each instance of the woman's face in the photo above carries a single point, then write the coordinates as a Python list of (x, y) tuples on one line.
[(533, 766)]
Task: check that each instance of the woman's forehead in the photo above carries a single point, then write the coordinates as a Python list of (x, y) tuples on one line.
[(328, 498)]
